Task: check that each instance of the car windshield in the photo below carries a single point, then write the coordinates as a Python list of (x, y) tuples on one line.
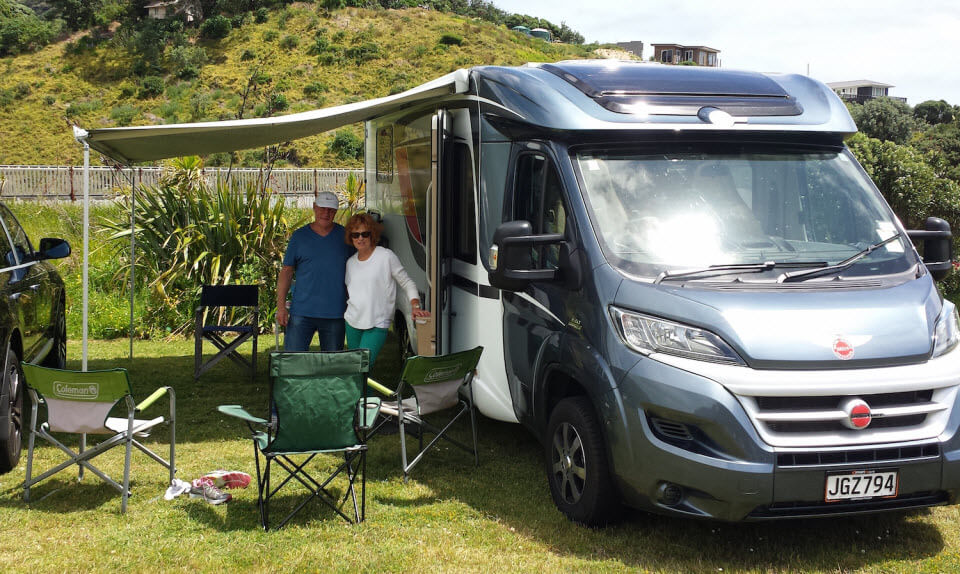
[(757, 211)]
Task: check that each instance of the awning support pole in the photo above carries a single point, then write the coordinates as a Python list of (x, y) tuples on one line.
[(86, 246)]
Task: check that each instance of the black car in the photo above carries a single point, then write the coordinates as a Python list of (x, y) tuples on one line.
[(33, 325)]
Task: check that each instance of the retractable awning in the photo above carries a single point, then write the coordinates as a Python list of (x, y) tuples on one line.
[(146, 143)]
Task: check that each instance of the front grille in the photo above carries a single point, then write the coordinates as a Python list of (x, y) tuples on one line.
[(837, 457), (804, 509), (824, 421)]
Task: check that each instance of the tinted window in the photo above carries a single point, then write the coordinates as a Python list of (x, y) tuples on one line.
[(538, 198), (18, 237), (459, 185)]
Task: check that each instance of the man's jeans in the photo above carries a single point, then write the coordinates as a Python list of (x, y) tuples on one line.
[(300, 332)]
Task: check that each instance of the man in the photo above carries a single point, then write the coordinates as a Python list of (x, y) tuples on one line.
[(317, 254)]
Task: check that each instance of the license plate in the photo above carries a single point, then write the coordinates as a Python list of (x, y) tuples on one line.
[(861, 484)]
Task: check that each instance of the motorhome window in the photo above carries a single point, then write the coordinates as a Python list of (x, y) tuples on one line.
[(385, 154), (494, 159), (538, 198), (462, 240), (702, 205)]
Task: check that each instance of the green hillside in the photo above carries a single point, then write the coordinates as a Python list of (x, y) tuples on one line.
[(300, 58)]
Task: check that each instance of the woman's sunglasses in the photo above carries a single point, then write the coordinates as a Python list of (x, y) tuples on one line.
[(357, 234)]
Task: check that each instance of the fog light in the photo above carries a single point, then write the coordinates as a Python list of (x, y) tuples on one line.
[(670, 494)]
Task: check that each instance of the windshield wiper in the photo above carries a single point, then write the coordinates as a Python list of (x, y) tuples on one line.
[(721, 269), (837, 268)]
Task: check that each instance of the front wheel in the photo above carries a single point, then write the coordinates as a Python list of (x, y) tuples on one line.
[(11, 410), (577, 467)]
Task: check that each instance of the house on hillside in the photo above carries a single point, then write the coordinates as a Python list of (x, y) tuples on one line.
[(169, 8), (862, 90), (635, 47), (676, 53)]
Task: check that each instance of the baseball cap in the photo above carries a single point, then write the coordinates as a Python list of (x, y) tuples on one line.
[(327, 199)]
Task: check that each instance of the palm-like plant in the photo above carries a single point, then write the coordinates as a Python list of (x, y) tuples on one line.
[(190, 234)]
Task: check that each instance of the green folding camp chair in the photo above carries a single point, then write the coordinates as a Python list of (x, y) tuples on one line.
[(320, 406), (437, 384), (80, 403)]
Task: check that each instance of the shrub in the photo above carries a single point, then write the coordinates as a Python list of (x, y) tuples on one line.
[(247, 55), (49, 100), (313, 89), (270, 35), (81, 108), (261, 15), (451, 40), (193, 234), (124, 114), (215, 28), (127, 90), (150, 86), (363, 53), (346, 145), (290, 42), (277, 102), (186, 61)]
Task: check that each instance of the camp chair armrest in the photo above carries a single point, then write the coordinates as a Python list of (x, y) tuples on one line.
[(380, 388), (239, 412), (368, 410), (147, 402)]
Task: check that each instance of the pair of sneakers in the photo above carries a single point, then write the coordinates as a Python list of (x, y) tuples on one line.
[(206, 489)]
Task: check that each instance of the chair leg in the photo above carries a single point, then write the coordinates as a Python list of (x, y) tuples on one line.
[(30, 444), (126, 473), (473, 429), (403, 446), (197, 351), (83, 446), (253, 359)]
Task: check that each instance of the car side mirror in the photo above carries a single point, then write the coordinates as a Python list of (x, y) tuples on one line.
[(937, 246), (54, 248), (511, 263)]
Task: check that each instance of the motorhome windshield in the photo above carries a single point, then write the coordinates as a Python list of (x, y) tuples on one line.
[(706, 213)]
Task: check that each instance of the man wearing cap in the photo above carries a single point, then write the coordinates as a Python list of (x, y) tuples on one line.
[(317, 254)]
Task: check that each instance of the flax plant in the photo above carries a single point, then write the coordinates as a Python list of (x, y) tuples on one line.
[(190, 233)]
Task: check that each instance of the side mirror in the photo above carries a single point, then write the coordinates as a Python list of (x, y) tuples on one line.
[(937, 246), (53, 248), (512, 266)]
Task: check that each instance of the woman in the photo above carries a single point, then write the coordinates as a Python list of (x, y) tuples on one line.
[(372, 276)]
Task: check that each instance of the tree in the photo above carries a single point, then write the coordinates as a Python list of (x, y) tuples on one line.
[(934, 112), (78, 14), (941, 144), (884, 119)]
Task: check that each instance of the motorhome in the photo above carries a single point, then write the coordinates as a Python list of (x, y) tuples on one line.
[(686, 286)]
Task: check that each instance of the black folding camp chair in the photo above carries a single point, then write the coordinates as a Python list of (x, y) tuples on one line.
[(224, 304), (321, 406)]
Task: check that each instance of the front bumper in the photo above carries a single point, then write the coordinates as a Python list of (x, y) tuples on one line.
[(681, 442)]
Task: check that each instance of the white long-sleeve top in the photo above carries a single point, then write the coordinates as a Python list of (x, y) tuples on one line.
[(372, 289)]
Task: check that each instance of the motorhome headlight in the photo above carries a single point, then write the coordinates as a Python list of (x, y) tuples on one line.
[(646, 334), (947, 333)]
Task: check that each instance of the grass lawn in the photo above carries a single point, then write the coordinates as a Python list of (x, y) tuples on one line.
[(451, 516)]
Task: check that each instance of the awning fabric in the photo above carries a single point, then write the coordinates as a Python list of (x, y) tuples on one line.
[(147, 143)]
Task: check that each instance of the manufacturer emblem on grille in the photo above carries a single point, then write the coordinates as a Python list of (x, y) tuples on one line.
[(858, 413), (842, 349)]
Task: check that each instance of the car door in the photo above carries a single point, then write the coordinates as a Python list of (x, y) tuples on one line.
[(27, 289), (534, 316)]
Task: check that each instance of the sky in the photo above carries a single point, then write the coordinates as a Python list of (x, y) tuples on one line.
[(911, 45)]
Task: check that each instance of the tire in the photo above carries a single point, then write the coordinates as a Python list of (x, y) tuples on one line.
[(57, 357), (11, 407), (577, 467)]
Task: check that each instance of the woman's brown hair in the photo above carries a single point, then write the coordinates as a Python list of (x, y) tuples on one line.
[(363, 219)]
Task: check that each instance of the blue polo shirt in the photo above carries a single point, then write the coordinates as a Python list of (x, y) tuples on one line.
[(319, 264)]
